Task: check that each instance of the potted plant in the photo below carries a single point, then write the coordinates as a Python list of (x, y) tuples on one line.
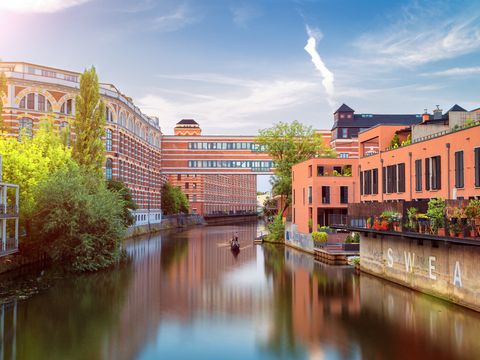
[(423, 220), (369, 222), (472, 213), (436, 213), (412, 216), (389, 217), (319, 238)]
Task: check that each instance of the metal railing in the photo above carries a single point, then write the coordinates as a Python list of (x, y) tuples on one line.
[(8, 210), (8, 247)]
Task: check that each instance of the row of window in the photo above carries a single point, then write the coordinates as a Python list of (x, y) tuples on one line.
[(226, 146), (49, 73), (326, 198), (248, 164), (433, 177), (393, 180), (336, 170)]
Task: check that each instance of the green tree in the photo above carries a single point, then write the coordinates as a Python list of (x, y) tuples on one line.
[(395, 142), (128, 204), (79, 221), (31, 161), (174, 200), (3, 88), (289, 144), (89, 122)]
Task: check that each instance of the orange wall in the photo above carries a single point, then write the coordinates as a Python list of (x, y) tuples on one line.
[(301, 182)]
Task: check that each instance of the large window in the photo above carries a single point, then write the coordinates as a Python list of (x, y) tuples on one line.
[(391, 179), (374, 181), (310, 195), (325, 194), (344, 194), (236, 164), (108, 114), (320, 170), (436, 173), (108, 169), (108, 141), (418, 175), (459, 172), (67, 107), (37, 102), (401, 177)]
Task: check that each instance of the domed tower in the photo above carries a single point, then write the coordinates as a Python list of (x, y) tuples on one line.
[(187, 127)]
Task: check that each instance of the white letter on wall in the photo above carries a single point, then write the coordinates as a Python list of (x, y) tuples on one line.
[(457, 275), (409, 261), (431, 267), (390, 258)]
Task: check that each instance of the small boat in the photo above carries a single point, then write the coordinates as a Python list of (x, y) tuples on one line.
[(235, 247)]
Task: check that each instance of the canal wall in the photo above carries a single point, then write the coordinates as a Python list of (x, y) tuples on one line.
[(230, 219), (447, 270), (167, 222)]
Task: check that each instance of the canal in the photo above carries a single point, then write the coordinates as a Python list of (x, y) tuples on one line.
[(184, 295)]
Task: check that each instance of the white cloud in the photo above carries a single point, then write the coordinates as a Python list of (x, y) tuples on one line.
[(175, 20), (416, 40), (241, 107), (457, 71), (314, 35), (39, 6)]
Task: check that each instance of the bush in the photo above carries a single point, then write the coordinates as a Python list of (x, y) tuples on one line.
[(276, 230), (174, 200), (124, 192), (78, 221), (319, 236)]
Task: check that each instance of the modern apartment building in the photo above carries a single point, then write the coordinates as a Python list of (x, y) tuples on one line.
[(132, 140), (443, 159)]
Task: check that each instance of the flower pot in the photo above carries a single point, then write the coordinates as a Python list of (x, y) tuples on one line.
[(472, 233), (441, 232)]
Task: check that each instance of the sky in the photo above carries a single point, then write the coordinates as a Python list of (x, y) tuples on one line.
[(239, 66)]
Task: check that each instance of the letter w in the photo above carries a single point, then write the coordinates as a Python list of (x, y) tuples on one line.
[(409, 261)]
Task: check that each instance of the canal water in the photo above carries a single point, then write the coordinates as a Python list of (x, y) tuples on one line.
[(184, 295)]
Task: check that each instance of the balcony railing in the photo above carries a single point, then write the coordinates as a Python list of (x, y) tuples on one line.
[(10, 246), (8, 210)]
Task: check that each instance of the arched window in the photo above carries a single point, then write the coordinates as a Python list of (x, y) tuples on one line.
[(37, 102), (136, 128), (67, 107), (108, 141), (108, 114), (130, 124), (108, 169), (25, 127)]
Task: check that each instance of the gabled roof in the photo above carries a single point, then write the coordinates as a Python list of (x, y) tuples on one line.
[(344, 108), (369, 120), (187, 122), (456, 107)]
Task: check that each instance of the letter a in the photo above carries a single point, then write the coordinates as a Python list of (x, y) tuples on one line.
[(457, 275)]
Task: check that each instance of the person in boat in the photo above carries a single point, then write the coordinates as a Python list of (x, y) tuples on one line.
[(235, 240)]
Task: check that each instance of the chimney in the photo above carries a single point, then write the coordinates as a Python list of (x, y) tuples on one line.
[(437, 113), (425, 116)]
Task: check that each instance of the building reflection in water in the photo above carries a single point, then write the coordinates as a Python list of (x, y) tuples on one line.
[(184, 294)]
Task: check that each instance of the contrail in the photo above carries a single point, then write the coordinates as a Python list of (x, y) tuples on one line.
[(328, 78)]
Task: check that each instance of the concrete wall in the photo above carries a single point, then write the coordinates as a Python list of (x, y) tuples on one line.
[(446, 270), (169, 222), (298, 240)]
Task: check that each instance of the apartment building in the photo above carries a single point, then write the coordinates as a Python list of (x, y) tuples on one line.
[(132, 139)]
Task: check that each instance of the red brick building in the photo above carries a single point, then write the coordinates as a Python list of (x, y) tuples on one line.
[(132, 140)]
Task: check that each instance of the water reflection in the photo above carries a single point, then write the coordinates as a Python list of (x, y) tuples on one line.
[(185, 295)]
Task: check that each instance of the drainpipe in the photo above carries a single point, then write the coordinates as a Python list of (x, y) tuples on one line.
[(411, 178), (381, 172), (448, 170)]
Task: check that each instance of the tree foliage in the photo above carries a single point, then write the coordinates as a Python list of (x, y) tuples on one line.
[(89, 122), (31, 161), (79, 221), (125, 194), (174, 200), (289, 144)]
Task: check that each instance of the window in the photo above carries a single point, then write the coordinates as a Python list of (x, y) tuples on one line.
[(361, 182), (43, 104), (391, 179), (427, 174), (310, 171), (320, 170), (338, 169), (34, 101), (436, 173), (384, 180), (108, 140), (325, 194), (179, 177), (343, 133), (194, 197), (344, 155), (367, 182), (294, 197), (67, 107), (31, 101), (122, 119), (418, 175), (186, 185), (344, 194), (477, 167), (108, 169), (25, 127), (194, 185), (309, 195), (401, 177), (459, 172), (374, 181), (108, 114)]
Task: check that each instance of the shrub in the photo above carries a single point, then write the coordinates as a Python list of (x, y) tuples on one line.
[(174, 200), (78, 221), (128, 204), (319, 237), (436, 212), (412, 214), (276, 229)]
